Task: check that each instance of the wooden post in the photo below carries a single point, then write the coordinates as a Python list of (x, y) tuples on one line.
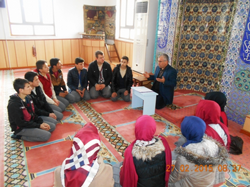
[(246, 127)]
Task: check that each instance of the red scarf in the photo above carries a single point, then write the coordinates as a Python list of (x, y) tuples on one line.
[(210, 112), (81, 166), (145, 128)]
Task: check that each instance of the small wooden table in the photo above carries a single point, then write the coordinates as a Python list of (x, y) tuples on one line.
[(140, 80)]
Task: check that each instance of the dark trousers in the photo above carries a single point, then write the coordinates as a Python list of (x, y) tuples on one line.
[(160, 102)]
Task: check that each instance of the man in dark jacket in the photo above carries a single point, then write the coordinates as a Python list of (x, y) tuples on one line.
[(56, 75), (164, 81), (42, 107), (78, 81), (23, 120), (122, 81), (99, 76)]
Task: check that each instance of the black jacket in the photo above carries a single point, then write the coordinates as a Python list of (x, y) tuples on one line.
[(19, 115), (42, 107), (116, 82), (151, 173), (73, 79), (93, 73)]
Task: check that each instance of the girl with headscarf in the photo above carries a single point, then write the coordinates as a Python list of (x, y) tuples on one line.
[(83, 167), (198, 158), (221, 99), (210, 112), (146, 158)]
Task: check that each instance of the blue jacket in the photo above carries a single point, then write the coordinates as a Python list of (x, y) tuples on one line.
[(73, 79), (166, 89)]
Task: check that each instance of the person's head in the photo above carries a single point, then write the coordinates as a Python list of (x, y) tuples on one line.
[(193, 129), (55, 63), (218, 97), (124, 61), (86, 145), (209, 111), (163, 60), (79, 63), (22, 86), (33, 79), (99, 57), (145, 128), (42, 66)]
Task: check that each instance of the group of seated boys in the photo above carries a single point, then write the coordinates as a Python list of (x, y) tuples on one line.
[(42, 96)]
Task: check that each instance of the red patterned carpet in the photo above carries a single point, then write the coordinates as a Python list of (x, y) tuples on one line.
[(115, 122)]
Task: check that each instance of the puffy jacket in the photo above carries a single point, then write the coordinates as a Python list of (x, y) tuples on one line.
[(197, 164), (150, 164), (115, 79)]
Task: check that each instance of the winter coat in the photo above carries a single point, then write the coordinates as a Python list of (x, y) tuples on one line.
[(197, 163), (150, 164)]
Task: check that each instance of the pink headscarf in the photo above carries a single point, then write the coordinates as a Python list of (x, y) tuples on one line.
[(145, 128), (80, 168), (210, 112)]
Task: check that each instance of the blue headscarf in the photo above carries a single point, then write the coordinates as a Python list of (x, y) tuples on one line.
[(193, 129)]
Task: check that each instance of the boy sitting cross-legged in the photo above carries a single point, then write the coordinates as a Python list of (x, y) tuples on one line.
[(23, 120)]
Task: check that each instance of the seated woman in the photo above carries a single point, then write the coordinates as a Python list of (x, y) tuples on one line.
[(221, 99), (145, 159), (198, 158), (209, 111), (83, 167)]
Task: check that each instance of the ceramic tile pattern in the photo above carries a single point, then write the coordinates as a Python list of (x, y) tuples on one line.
[(166, 24), (238, 100)]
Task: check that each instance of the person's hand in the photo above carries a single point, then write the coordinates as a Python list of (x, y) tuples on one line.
[(162, 80), (62, 94), (146, 75), (78, 91), (82, 93), (52, 115), (98, 87), (45, 126), (102, 86), (126, 92), (66, 92), (114, 94), (56, 102)]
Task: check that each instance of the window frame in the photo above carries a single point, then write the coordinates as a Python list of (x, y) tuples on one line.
[(126, 26), (33, 24)]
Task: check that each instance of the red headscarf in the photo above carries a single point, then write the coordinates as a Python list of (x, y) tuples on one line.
[(145, 128), (210, 112), (80, 168)]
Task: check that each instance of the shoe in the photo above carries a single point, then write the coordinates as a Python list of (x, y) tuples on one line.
[(14, 136)]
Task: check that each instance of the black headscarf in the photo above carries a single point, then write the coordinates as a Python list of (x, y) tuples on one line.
[(218, 97)]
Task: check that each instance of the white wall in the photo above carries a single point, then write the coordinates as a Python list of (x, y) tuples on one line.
[(68, 15)]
